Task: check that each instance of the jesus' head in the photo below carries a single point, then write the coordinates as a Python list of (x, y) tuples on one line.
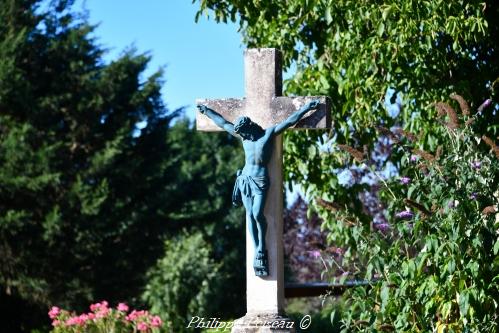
[(247, 129)]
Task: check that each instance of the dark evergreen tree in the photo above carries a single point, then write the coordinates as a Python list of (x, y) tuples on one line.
[(86, 198)]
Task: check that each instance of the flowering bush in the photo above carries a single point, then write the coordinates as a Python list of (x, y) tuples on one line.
[(103, 319), (434, 256)]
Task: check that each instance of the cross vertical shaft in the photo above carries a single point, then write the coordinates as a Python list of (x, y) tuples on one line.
[(262, 77), (265, 106), (263, 83)]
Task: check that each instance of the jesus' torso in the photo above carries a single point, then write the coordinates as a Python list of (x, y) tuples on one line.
[(257, 155)]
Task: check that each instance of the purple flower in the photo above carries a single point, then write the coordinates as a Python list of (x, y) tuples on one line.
[(484, 105), (405, 214), (451, 204), (405, 180), (476, 165), (473, 196), (414, 158), (315, 254), (383, 227)]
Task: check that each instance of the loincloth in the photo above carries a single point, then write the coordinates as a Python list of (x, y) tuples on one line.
[(249, 186)]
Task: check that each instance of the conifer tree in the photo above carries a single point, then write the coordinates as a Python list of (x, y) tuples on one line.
[(87, 198)]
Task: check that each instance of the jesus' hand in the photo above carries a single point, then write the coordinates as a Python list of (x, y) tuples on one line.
[(313, 104), (202, 108)]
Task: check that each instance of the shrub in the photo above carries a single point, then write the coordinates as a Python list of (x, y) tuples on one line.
[(435, 264), (185, 282), (103, 319)]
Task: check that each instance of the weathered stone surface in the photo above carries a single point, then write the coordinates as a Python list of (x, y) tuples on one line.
[(278, 110), (283, 107), (262, 78), (263, 86), (263, 323), (263, 104), (229, 108)]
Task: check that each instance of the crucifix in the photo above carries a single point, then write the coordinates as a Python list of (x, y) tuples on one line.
[(259, 119)]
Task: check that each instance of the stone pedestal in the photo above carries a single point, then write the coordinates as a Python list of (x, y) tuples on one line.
[(263, 323)]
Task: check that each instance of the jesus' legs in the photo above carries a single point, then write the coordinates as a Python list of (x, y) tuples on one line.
[(252, 224), (261, 259), (261, 222)]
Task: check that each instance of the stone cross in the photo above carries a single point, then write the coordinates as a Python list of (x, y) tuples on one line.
[(265, 106)]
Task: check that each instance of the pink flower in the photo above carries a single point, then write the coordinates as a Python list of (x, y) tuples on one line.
[(102, 312), (131, 316), (315, 253), (156, 321), (54, 312), (136, 314), (122, 307), (56, 323), (337, 250), (142, 326), (94, 307), (97, 306), (73, 321)]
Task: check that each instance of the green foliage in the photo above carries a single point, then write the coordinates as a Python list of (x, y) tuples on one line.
[(86, 198), (354, 52), (357, 52), (185, 282), (66, 132), (437, 262), (327, 320)]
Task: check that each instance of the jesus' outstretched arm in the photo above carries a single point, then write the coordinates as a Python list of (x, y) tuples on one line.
[(295, 117), (217, 119)]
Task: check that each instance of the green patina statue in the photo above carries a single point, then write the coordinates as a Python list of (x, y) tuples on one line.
[(252, 181)]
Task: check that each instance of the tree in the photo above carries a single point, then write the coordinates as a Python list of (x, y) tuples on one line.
[(386, 65), (86, 197), (434, 262), (365, 55)]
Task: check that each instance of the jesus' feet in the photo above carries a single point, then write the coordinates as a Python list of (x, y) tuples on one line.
[(261, 264)]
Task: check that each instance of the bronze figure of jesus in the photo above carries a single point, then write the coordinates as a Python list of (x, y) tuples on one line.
[(253, 181)]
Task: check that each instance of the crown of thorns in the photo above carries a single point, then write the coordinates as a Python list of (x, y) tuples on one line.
[(241, 122)]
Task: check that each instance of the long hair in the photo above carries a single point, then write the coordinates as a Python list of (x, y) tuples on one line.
[(246, 125), (241, 122)]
